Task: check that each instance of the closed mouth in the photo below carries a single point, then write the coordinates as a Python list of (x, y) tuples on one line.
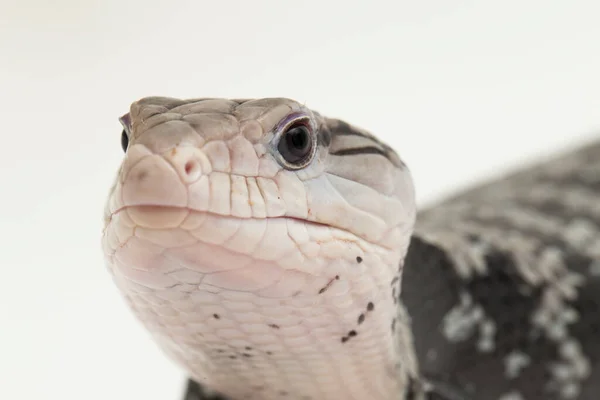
[(173, 216), (162, 209)]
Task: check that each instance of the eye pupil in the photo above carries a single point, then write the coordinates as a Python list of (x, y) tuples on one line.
[(295, 145), (298, 139), (124, 140)]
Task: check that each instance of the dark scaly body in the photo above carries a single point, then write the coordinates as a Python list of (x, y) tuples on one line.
[(502, 283)]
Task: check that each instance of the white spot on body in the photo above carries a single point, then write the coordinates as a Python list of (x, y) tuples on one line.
[(514, 363), (594, 269), (579, 232), (514, 395), (487, 333), (461, 321)]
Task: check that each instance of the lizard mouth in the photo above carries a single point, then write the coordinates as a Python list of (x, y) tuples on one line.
[(159, 246), (156, 216)]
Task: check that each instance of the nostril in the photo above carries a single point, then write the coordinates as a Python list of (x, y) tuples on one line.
[(192, 170), (189, 162), (190, 166)]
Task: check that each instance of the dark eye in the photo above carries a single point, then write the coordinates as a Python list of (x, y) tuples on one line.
[(124, 140), (296, 144)]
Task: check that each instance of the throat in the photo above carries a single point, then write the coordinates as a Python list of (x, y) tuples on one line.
[(299, 351), (339, 343), (333, 330)]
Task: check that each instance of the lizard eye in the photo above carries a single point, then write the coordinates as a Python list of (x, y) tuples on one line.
[(297, 143), (125, 121), (124, 140)]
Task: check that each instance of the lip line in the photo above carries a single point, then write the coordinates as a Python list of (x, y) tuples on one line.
[(284, 217), (189, 209)]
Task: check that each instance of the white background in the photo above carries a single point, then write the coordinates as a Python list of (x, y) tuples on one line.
[(462, 89)]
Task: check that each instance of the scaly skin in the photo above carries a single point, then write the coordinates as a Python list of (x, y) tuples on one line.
[(502, 283), (261, 280), (267, 280)]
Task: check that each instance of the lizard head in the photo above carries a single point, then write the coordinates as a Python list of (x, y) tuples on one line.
[(250, 201)]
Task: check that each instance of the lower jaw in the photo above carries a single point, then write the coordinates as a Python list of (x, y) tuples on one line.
[(246, 344)]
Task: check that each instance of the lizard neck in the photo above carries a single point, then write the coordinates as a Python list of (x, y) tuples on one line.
[(332, 335)]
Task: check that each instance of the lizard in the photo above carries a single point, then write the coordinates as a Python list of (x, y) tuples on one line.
[(275, 253)]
